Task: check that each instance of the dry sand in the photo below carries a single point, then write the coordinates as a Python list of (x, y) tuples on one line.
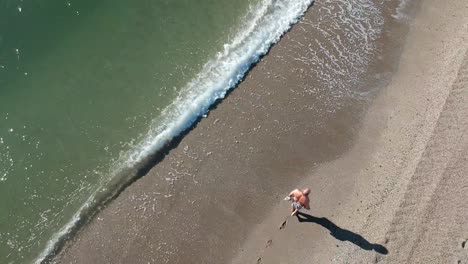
[(391, 188)]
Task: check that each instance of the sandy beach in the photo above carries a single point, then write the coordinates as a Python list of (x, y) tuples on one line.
[(387, 171)]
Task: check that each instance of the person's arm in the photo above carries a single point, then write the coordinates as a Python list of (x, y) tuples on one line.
[(306, 205)]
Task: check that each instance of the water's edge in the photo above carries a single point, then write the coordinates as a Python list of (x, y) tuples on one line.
[(267, 23)]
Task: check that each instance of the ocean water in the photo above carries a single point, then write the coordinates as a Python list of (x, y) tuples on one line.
[(90, 89)]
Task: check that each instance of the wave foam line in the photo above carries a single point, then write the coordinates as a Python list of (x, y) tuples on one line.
[(401, 13), (264, 25)]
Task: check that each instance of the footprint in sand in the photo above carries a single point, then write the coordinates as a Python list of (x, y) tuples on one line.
[(283, 225), (269, 243), (259, 260)]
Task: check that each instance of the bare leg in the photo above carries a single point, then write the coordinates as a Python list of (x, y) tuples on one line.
[(294, 212)]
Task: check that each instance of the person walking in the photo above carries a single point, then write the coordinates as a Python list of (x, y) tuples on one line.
[(300, 199)]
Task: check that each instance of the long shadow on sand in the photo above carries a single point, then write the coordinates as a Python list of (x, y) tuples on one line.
[(342, 234)]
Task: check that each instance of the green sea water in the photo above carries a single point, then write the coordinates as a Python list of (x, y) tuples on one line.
[(80, 83)]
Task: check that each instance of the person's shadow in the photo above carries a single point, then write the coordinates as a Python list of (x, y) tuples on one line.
[(342, 234)]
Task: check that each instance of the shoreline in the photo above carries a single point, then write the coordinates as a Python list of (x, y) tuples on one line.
[(202, 95), (147, 221)]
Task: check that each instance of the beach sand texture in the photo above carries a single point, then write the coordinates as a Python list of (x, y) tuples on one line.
[(388, 180)]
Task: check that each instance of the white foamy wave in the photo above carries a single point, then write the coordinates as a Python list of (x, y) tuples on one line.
[(401, 11), (264, 25)]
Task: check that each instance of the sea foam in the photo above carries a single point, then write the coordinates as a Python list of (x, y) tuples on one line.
[(264, 25)]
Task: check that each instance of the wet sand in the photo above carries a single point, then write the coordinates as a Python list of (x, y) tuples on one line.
[(216, 196)]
